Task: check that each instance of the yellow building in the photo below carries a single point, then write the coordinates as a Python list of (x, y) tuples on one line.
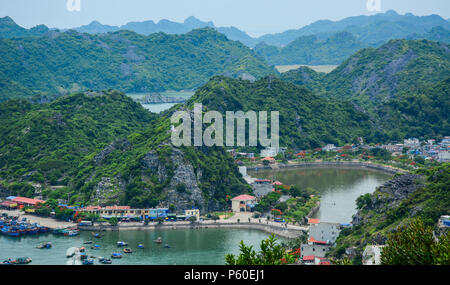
[(192, 212)]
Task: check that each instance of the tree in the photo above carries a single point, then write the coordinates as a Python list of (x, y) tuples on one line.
[(114, 221), (271, 254), (192, 219), (414, 244), (160, 220)]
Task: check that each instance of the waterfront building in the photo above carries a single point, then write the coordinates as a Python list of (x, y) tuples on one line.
[(325, 232), (125, 212), (192, 213), (243, 203), (26, 201)]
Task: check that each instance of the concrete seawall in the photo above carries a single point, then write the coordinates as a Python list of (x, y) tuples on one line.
[(334, 163), (280, 229)]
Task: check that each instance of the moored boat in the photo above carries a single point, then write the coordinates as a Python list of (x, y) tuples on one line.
[(45, 245), (116, 255)]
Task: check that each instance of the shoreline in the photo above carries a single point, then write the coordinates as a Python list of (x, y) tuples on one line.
[(369, 165), (282, 230)]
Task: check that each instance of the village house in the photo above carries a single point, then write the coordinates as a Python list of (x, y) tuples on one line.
[(243, 203), (324, 232), (329, 147), (125, 212), (192, 213)]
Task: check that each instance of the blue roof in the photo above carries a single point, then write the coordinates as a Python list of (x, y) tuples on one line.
[(10, 197)]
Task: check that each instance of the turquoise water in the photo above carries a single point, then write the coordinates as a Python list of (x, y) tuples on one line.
[(188, 247)]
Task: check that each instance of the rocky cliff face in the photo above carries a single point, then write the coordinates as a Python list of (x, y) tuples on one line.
[(389, 196), (176, 173), (183, 189)]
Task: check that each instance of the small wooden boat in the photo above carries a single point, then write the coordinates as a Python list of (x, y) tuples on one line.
[(103, 260), (166, 246), (18, 261), (116, 255), (127, 250), (45, 245), (88, 242), (158, 240), (122, 243), (141, 246), (88, 262)]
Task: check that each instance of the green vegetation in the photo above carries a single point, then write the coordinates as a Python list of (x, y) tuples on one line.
[(405, 198), (415, 244), (403, 87), (306, 120), (60, 63), (103, 148), (312, 51), (271, 254)]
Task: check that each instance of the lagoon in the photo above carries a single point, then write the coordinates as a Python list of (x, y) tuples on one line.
[(338, 186)]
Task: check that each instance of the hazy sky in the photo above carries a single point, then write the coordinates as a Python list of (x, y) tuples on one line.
[(256, 17)]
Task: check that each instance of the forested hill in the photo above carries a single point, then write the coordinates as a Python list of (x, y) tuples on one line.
[(311, 50), (59, 63), (403, 85), (372, 76), (105, 149), (306, 119)]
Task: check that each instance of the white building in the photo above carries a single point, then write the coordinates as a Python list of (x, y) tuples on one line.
[(443, 156), (372, 255), (269, 152), (329, 147), (326, 232), (412, 143), (243, 171)]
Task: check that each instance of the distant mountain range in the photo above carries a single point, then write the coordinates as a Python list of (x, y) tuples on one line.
[(403, 85), (59, 63), (375, 29)]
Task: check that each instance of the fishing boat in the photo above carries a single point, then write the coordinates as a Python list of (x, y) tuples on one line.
[(122, 243), (12, 232), (45, 245), (158, 240), (103, 260), (96, 235), (88, 242), (116, 255), (18, 261), (127, 250), (71, 252), (88, 262), (166, 246), (141, 246)]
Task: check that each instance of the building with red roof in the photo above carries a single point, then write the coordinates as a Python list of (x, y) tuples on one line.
[(313, 221), (243, 203), (27, 201)]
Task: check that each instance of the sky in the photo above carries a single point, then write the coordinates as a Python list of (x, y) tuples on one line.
[(256, 17)]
